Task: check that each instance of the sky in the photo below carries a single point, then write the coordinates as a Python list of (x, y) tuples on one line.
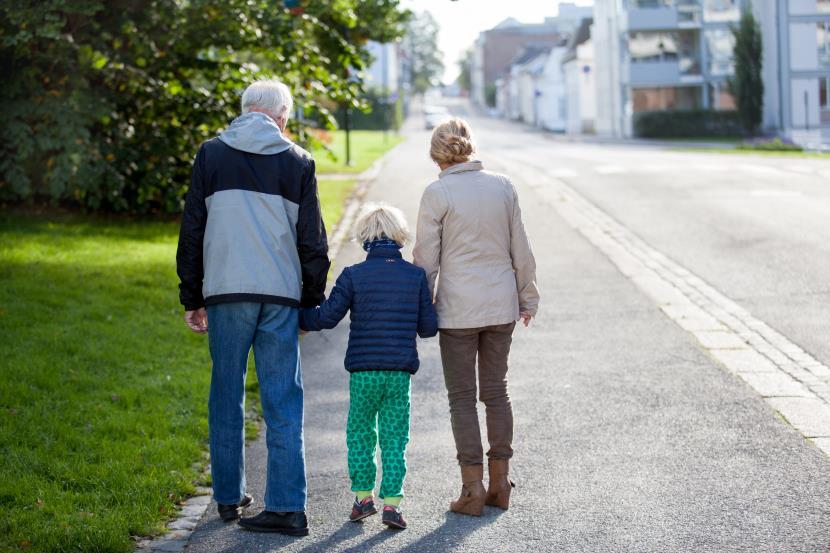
[(462, 20)]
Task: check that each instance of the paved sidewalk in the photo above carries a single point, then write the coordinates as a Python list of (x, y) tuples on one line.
[(629, 435)]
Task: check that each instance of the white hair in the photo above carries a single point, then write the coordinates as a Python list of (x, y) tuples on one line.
[(270, 96), (382, 221)]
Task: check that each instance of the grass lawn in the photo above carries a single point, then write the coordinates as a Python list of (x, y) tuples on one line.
[(333, 195), (367, 146), (103, 394)]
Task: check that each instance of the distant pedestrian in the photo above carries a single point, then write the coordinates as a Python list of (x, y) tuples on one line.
[(470, 237), (390, 303), (252, 250)]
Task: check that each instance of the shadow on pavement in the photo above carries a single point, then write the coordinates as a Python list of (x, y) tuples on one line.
[(346, 532), (452, 532)]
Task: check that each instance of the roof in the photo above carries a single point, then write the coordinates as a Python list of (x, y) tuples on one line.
[(580, 36), (529, 53), (508, 23)]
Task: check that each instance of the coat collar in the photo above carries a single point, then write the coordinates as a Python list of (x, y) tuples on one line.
[(474, 165), (387, 252)]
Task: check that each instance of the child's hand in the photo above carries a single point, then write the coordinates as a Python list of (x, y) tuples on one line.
[(525, 317)]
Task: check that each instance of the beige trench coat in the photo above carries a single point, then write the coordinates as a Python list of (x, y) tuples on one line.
[(470, 231)]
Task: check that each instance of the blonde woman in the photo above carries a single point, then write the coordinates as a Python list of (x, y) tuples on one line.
[(470, 237)]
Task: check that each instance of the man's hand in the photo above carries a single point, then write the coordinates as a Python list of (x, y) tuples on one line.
[(197, 320), (525, 317)]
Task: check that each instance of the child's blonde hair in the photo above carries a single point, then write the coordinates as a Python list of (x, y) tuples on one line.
[(379, 221)]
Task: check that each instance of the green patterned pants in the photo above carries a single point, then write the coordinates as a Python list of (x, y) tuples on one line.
[(378, 413)]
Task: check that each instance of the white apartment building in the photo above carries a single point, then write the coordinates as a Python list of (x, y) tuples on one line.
[(677, 54), (661, 54), (796, 68)]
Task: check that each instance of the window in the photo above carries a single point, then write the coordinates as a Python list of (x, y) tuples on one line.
[(824, 99), (823, 43), (666, 98), (720, 44), (680, 47), (721, 10), (808, 7)]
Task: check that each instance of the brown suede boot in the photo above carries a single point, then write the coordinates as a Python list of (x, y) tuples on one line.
[(500, 486), (471, 500)]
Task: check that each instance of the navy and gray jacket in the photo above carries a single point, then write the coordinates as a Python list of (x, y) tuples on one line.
[(252, 228), (390, 303)]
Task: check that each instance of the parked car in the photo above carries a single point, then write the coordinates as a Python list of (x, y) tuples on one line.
[(434, 115)]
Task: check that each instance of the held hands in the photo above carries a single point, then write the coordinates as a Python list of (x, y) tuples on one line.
[(197, 320), (525, 317)]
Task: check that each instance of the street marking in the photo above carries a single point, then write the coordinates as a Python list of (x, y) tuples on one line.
[(791, 380), (757, 169), (710, 168), (777, 193), (655, 168), (563, 173), (799, 168), (610, 169)]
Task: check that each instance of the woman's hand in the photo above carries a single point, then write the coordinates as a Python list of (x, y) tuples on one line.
[(525, 317)]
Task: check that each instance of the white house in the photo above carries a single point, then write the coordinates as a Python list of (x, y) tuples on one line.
[(580, 83), (529, 87), (522, 84), (553, 102)]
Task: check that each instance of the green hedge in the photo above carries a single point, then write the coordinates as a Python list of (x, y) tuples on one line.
[(382, 115), (698, 123)]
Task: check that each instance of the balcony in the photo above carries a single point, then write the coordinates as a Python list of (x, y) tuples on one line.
[(663, 73), (657, 15)]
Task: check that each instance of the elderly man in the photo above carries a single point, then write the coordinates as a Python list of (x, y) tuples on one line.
[(252, 250)]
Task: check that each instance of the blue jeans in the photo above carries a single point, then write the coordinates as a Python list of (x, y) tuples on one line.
[(272, 331)]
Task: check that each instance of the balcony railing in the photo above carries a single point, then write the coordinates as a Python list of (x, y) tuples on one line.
[(648, 15), (663, 73)]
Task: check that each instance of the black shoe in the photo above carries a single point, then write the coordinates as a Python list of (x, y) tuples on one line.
[(362, 509), (291, 524), (233, 511), (393, 518)]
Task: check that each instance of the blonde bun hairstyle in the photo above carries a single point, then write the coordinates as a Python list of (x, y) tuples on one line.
[(452, 142)]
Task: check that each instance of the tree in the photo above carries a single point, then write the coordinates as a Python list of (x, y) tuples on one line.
[(747, 85), (425, 59), (465, 65), (106, 101)]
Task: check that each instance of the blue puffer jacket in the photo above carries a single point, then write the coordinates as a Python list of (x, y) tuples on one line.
[(389, 301)]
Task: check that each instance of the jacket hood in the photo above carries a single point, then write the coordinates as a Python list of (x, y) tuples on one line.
[(255, 133)]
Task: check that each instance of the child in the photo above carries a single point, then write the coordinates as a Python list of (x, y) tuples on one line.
[(390, 302)]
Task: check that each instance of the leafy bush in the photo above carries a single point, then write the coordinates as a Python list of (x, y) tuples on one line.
[(106, 101), (697, 123)]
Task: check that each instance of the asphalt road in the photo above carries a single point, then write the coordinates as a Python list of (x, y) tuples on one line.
[(629, 437)]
